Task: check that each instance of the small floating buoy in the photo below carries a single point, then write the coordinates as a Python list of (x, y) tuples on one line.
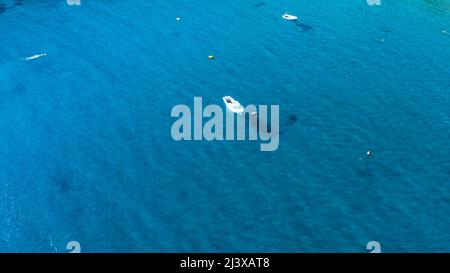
[(211, 57), (178, 19)]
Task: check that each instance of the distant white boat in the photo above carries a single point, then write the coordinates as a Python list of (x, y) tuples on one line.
[(233, 105), (34, 57), (289, 17)]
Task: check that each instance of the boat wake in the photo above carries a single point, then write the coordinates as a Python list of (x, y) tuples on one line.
[(34, 57)]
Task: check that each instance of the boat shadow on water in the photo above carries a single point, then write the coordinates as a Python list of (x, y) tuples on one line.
[(266, 124), (4, 7), (258, 122), (259, 5), (303, 27)]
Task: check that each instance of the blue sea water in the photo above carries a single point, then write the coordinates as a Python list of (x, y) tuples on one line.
[(86, 152)]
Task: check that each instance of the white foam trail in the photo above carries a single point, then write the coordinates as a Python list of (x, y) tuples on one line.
[(37, 56)]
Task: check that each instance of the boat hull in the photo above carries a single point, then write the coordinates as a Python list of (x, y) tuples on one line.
[(233, 105)]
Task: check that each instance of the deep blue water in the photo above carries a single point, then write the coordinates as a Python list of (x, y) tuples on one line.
[(85, 146)]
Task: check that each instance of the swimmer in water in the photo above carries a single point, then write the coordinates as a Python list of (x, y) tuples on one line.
[(368, 154)]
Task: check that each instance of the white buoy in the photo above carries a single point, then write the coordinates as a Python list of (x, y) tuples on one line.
[(178, 19)]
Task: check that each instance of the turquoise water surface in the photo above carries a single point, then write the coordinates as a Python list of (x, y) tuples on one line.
[(86, 152)]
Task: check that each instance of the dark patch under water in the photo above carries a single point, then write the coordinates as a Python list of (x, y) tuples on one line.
[(303, 27), (259, 5), (292, 119), (19, 89), (2, 8), (63, 181)]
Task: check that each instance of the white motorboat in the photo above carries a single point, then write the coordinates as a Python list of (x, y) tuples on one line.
[(289, 17), (233, 105)]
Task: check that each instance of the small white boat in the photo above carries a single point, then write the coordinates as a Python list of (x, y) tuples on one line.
[(233, 105), (289, 17)]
